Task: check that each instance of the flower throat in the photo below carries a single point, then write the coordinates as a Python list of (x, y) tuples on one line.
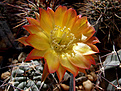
[(61, 38)]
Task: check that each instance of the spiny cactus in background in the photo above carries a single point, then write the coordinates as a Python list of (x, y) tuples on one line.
[(27, 76), (18, 10), (112, 64)]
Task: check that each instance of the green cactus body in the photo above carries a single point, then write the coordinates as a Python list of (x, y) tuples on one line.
[(27, 76)]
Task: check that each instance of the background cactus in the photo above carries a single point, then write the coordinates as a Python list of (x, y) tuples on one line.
[(27, 76)]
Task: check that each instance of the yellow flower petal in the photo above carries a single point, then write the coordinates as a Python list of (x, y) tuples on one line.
[(51, 14), (79, 60), (43, 35), (59, 14), (52, 60), (84, 49), (32, 29), (91, 59), (60, 72), (35, 54), (68, 66), (81, 30), (69, 18), (93, 40), (93, 47), (37, 42), (22, 40), (46, 22), (79, 22), (84, 31), (89, 33), (32, 21)]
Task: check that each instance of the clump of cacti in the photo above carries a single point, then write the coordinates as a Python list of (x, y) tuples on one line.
[(27, 76)]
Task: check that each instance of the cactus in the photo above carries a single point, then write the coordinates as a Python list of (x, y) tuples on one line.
[(27, 76)]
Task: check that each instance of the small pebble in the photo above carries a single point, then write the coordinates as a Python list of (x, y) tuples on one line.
[(88, 85), (80, 87)]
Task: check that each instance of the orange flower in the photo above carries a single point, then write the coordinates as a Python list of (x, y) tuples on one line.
[(63, 38)]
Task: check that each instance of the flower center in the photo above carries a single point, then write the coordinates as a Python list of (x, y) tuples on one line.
[(61, 38)]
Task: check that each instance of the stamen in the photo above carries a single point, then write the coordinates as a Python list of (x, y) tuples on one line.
[(61, 30), (64, 28), (69, 29), (61, 38)]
